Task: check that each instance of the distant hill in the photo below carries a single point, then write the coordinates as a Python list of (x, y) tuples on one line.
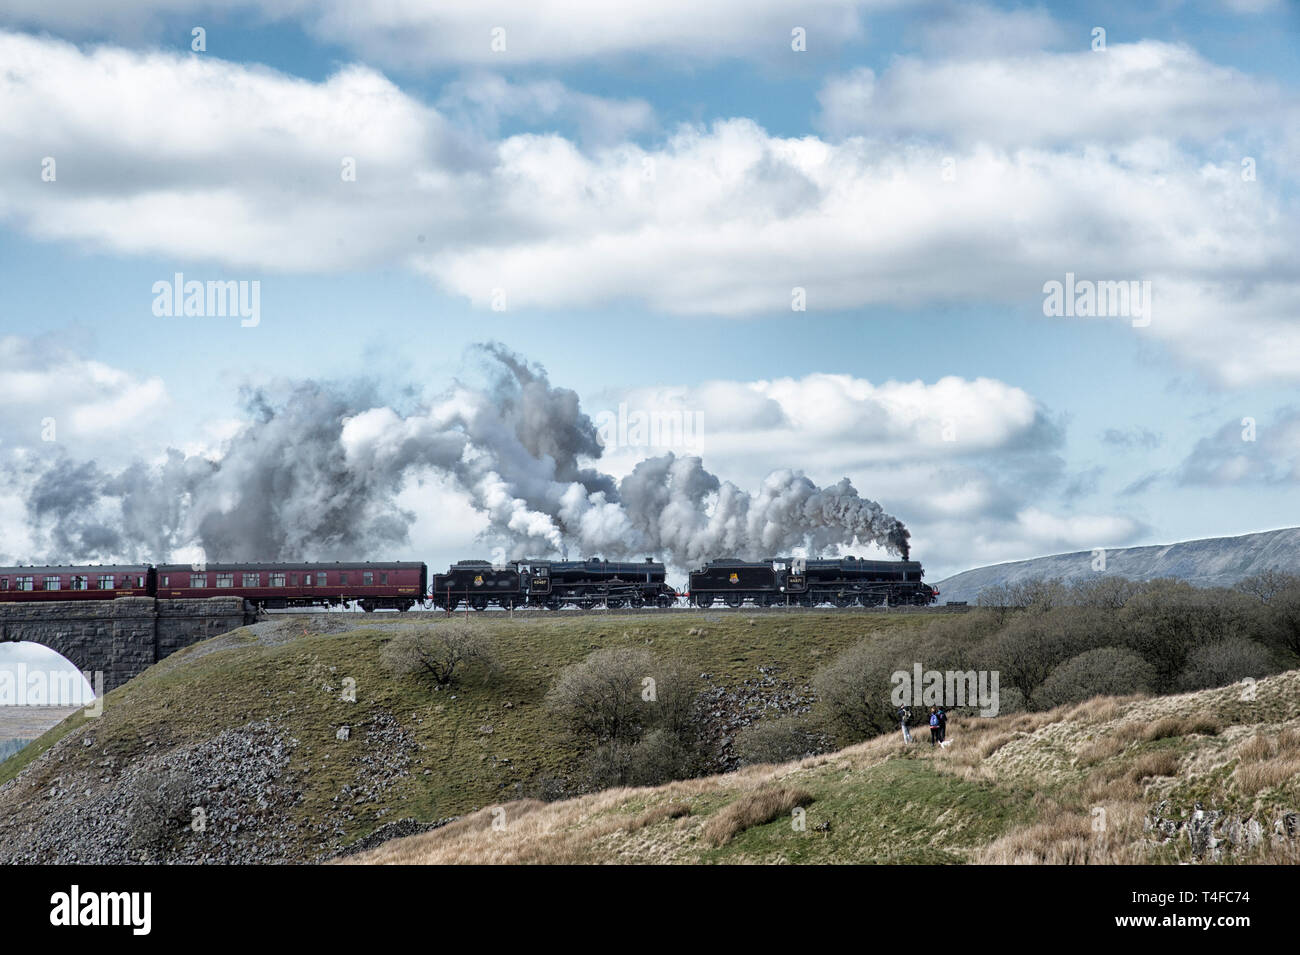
[(1211, 562)]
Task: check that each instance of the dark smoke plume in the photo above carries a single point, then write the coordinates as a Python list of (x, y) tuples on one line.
[(316, 471)]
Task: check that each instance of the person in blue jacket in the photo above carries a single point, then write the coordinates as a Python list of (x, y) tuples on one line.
[(934, 725)]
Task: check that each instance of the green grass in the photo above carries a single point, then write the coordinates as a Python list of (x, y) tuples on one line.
[(198, 692), (902, 811)]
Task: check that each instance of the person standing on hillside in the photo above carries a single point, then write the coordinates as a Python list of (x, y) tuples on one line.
[(943, 725), (934, 725), (904, 714)]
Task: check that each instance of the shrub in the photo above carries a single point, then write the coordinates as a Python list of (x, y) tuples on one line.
[(1169, 619), (658, 757), (441, 653), (1282, 618), (160, 810), (778, 741), (1029, 648), (1105, 592), (854, 690), (1106, 671), (619, 694), (1225, 662), (633, 712)]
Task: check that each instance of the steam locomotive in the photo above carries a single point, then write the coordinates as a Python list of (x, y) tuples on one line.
[(549, 584), (805, 582), (553, 583)]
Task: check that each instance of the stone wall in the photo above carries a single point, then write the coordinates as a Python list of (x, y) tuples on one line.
[(123, 637)]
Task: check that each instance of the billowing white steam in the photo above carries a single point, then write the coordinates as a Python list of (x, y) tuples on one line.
[(315, 475)]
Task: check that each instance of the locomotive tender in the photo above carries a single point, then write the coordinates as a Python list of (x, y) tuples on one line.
[(549, 584)]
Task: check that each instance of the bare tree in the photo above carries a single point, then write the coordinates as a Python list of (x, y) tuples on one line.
[(1266, 585), (441, 653)]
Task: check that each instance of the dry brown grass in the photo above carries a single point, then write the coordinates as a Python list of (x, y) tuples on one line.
[(1067, 836), (1101, 749), (1099, 709), (1078, 758), (1153, 764), (1169, 727), (752, 809), (1254, 778), (990, 746), (652, 817)]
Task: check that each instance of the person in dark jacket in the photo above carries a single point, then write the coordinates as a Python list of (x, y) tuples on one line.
[(934, 725), (943, 725), (904, 714)]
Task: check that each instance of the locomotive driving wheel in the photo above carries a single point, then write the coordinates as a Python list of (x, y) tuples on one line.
[(842, 600)]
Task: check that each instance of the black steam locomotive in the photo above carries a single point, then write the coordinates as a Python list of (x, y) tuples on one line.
[(552, 584), (800, 582), (782, 581)]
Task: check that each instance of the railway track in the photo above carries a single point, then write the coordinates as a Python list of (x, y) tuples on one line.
[(495, 612)]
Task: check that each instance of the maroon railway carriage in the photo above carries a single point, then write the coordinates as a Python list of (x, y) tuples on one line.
[(66, 582), (394, 584)]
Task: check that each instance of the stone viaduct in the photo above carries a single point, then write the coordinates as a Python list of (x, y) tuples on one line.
[(123, 637)]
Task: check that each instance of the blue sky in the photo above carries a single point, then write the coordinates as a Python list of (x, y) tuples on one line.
[(772, 169)]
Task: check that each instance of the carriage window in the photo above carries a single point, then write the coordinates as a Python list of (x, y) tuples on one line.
[(277, 580), (383, 579), (52, 583), (139, 581), (24, 583), (293, 580), (306, 580), (320, 580), (252, 580), (4, 583), (198, 580), (225, 580), (80, 583), (165, 581), (367, 578), (106, 582), (343, 579)]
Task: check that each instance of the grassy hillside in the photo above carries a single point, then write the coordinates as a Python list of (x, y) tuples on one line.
[(254, 728), (271, 697), (1106, 781)]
